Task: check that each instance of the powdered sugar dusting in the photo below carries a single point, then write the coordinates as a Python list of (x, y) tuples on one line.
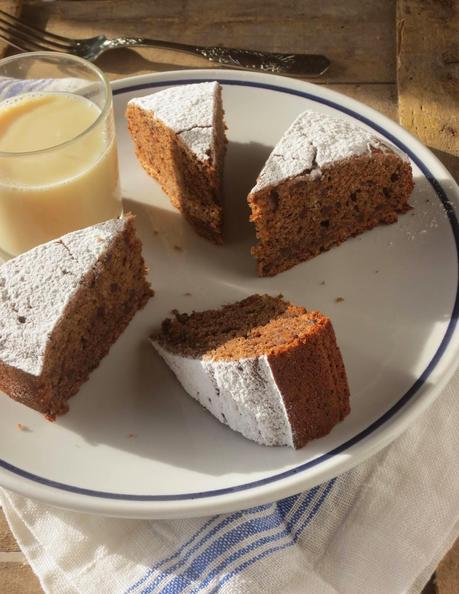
[(189, 110), (313, 141), (37, 286), (242, 394)]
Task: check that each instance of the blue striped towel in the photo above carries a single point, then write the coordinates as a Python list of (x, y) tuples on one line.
[(380, 528)]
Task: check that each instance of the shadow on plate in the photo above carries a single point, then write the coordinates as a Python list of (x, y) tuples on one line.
[(133, 403), (163, 228)]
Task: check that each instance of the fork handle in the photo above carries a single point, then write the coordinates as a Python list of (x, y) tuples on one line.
[(289, 64)]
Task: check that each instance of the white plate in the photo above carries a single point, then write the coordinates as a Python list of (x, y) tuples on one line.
[(133, 444)]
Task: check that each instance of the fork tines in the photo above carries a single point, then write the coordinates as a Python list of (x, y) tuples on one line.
[(27, 38)]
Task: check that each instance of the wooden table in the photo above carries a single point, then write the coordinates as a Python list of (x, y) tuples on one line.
[(401, 58)]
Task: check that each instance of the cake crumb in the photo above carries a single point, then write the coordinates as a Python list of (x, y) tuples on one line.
[(339, 299), (131, 435), (322, 283), (376, 271), (22, 427), (155, 232), (187, 294), (178, 248)]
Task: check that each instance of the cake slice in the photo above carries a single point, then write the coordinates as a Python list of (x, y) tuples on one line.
[(266, 368), (179, 138), (62, 305), (325, 181)]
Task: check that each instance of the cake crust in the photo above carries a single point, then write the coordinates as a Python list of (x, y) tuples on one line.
[(327, 180), (314, 412), (266, 368), (179, 139), (51, 344)]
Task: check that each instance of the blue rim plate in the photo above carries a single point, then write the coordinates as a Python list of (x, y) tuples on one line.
[(432, 228)]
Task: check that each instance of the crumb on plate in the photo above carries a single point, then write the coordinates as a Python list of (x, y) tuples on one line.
[(22, 427)]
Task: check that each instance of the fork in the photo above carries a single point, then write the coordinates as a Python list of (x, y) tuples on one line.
[(28, 39)]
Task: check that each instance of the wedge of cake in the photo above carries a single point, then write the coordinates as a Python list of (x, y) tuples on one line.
[(62, 305), (325, 181), (179, 138), (266, 368)]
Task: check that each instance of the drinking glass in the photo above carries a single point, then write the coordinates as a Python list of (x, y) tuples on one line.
[(58, 164)]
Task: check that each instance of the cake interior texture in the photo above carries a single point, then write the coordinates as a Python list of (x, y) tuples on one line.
[(106, 298), (301, 217), (299, 346), (194, 185)]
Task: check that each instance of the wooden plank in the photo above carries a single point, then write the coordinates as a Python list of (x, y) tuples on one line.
[(428, 73), (357, 35), (17, 578), (447, 574), (428, 99), (7, 541), (430, 587), (14, 557)]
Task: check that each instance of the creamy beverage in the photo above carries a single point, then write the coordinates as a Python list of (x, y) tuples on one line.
[(58, 168)]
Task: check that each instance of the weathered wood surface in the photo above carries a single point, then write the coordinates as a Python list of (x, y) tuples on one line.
[(18, 578), (7, 541), (366, 41), (447, 574), (428, 74), (357, 35)]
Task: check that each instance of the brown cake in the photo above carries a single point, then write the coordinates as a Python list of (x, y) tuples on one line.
[(266, 368), (62, 305), (325, 181), (179, 138)]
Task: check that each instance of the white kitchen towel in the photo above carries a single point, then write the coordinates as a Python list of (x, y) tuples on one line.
[(380, 528)]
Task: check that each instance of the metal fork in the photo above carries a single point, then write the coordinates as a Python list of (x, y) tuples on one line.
[(29, 39)]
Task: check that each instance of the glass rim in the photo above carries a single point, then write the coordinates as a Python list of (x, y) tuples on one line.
[(90, 66)]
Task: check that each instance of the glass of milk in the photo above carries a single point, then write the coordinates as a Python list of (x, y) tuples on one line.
[(58, 158)]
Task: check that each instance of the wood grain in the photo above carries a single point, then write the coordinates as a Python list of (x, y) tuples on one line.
[(447, 574), (428, 73), (7, 541), (16, 578), (357, 35)]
